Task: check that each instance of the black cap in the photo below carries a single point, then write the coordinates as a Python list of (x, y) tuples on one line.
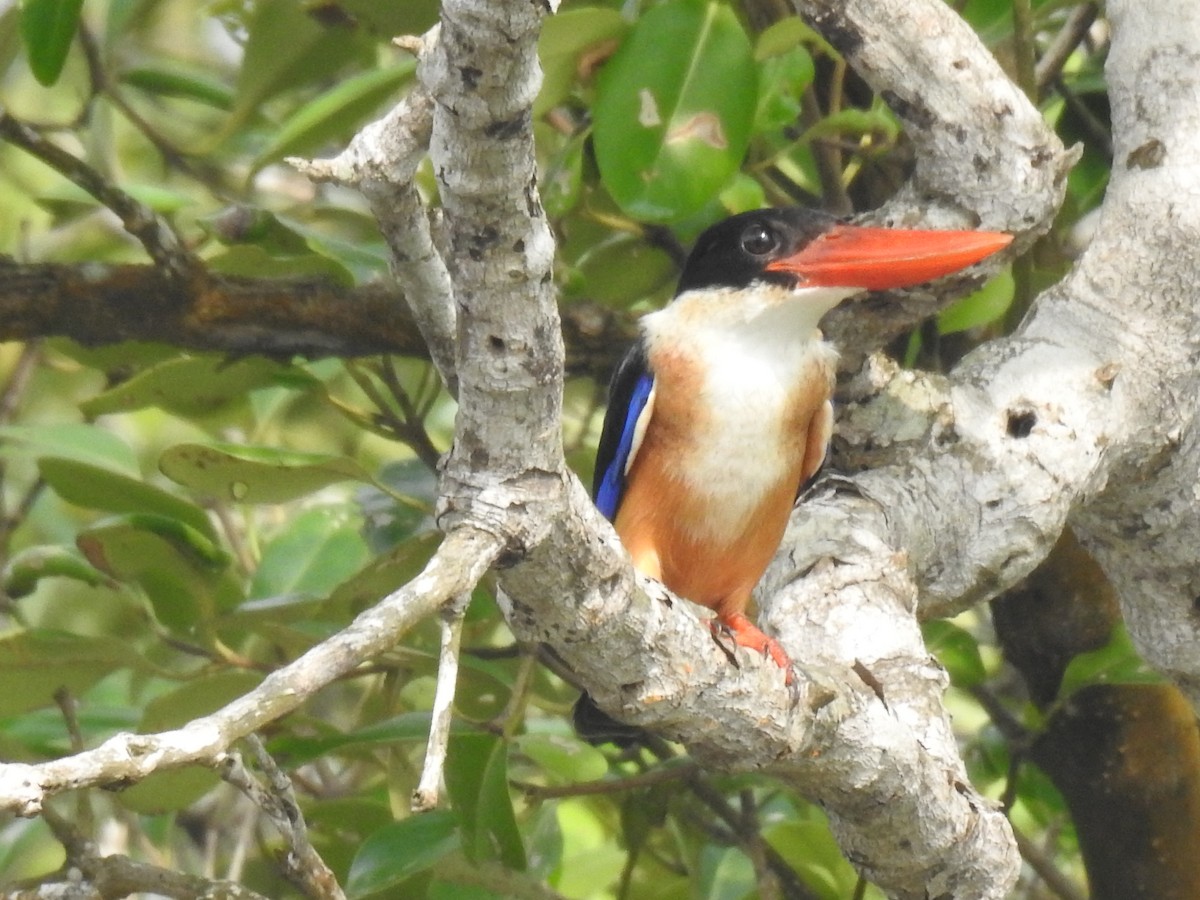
[(734, 253)]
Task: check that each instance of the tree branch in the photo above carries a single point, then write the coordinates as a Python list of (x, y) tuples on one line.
[(381, 162), (89, 875), (985, 157), (463, 557), (156, 235), (98, 304), (1077, 417), (302, 865), (645, 655)]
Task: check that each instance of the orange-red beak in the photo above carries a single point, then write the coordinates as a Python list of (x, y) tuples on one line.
[(880, 259)]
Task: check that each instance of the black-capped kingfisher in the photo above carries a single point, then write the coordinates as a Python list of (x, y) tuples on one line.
[(721, 411)]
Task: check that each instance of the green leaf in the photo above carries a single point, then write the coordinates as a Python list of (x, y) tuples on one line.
[(565, 758), (389, 523), (83, 443), (190, 543), (447, 890), (316, 551), (810, 849), (286, 48), (67, 199), (724, 872), (590, 860), (339, 824), (385, 573), (565, 38), (400, 850), (412, 727), (674, 108), (255, 474), (619, 269), (784, 78), (1117, 662), (171, 79), (335, 113), (957, 650), (42, 731), (95, 487), (34, 664), (783, 37), (264, 243), (562, 185), (254, 262), (191, 386), (853, 122), (477, 780), (25, 569), (48, 28), (743, 194), (185, 575), (986, 305), (115, 360)]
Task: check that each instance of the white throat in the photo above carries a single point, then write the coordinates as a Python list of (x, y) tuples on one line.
[(751, 353), (764, 320)]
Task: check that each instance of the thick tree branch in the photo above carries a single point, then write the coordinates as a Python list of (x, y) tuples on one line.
[(863, 731), (1081, 416), (98, 304), (484, 76), (985, 158)]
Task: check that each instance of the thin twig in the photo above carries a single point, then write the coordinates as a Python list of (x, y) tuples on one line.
[(764, 875), (750, 839), (1098, 132), (302, 865), (827, 157), (155, 233), (102, 84), (512, 716), (428, 791), (1023, 47), (1009, 725), (19, 378), (1055, 880), (116, 875), (668, 772), (69, 707), (413, 431), (459, 563), (1073, 32)]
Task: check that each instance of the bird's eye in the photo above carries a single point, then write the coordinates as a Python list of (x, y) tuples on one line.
[(757, 240)]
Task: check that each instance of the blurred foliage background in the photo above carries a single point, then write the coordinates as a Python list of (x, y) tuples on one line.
[(176, 525)]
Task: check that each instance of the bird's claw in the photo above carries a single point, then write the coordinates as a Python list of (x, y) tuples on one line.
[(746, 634)]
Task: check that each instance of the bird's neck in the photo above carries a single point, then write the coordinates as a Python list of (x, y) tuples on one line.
[(766, 325)]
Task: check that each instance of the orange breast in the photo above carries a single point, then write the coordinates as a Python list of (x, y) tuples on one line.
[(699, 528)]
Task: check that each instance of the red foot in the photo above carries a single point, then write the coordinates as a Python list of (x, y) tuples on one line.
[(746, 634)]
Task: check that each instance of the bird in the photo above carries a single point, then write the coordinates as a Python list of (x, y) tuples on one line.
[(721, 410)]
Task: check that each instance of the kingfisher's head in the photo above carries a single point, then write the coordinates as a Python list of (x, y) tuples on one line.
[(808, 254), (769, 275)]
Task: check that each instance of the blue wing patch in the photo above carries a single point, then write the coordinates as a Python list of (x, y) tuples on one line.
[(611, 484)]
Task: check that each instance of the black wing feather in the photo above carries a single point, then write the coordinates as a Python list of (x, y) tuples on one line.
[(629, 381)]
